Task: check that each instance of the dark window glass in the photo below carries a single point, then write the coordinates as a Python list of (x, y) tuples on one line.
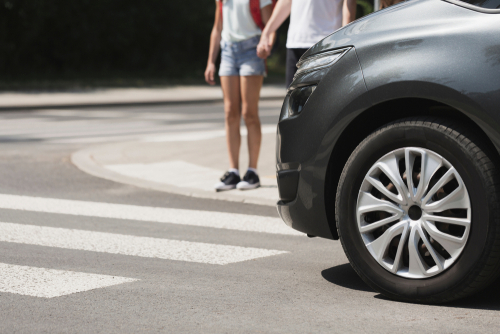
[(488, 4)]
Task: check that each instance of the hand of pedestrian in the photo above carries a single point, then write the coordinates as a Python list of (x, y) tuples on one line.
[(264, 48), (210, 74), (262, 51)]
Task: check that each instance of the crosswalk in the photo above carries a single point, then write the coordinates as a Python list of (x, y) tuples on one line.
[(51, 282), (144, 124)]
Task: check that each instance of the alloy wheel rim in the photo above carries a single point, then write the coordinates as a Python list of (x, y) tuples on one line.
[(414, 213)]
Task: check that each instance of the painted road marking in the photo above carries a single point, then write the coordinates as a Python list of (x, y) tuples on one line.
[(231, 221), (178, 250), (50, 283)]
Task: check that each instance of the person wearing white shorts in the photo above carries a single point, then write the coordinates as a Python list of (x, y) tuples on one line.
[(241, 73)]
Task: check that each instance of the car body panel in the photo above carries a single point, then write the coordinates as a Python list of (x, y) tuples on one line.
[(313, 162), (427, 49)]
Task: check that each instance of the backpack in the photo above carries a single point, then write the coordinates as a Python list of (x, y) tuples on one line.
[(255, 11)]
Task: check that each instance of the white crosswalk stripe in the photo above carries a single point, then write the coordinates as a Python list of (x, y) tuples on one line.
[(211, 219), (50, 283), (130, 245)]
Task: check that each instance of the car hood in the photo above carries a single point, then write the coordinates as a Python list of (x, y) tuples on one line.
[(405, 21)]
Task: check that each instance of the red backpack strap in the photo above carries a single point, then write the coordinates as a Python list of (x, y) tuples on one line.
[(257, 14)]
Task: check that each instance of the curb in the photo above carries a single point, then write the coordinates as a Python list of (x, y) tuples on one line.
[(84, 161)]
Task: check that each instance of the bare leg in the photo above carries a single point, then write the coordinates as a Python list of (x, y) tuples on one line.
[(232, 109), (250, 94)]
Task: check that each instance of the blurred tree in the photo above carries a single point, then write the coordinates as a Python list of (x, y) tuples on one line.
[(54, 39), (103, 37)]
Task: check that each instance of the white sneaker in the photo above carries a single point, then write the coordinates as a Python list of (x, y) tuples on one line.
[(250, 181), (227, 182)]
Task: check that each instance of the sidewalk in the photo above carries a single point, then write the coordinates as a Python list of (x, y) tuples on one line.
[(188, 164), (125, 96)]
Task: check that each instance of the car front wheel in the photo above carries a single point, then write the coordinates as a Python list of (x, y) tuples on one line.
[(417, 211)]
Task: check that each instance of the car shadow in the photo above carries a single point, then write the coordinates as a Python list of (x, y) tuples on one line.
[(344, 276), (486, 299)]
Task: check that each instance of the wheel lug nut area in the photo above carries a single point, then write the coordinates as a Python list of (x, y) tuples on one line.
[(415, 212)]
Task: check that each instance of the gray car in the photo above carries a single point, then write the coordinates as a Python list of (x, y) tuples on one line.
[(389, 140)]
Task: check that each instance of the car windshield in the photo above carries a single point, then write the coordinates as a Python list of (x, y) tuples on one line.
[(487, 4)]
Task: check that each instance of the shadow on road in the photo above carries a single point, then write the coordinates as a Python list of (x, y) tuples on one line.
[(343, 275), (484, 300), (346, 277), (488, 299)]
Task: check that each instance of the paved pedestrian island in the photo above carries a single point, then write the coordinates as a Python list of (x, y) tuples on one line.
[(181, 150), (187, 163)]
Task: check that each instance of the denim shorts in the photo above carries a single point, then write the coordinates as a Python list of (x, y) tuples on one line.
[(240, 58)]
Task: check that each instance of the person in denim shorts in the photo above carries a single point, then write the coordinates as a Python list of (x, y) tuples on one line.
[(241, 74)]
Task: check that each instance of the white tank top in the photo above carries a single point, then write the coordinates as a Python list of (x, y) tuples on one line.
[(237, 22), (313, 20)]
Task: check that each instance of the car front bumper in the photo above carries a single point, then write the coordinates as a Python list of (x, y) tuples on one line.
[(305, 143)]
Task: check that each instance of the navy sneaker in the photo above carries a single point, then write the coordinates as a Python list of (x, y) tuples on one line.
[(250, 181), (228, 181)]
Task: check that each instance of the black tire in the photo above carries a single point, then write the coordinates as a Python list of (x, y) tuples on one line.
[(475, 161)]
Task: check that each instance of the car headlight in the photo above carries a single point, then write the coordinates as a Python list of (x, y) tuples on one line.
[(295, 101), (319, 61)]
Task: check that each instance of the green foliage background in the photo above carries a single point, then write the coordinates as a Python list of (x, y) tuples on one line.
[(99, 39)]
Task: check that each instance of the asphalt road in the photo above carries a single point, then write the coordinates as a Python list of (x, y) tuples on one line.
[(83, 254)]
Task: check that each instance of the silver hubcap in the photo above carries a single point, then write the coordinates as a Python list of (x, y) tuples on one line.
[(414, 213)]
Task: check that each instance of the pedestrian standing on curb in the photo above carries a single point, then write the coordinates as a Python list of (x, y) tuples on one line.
[(310, 22), (236, 31)]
